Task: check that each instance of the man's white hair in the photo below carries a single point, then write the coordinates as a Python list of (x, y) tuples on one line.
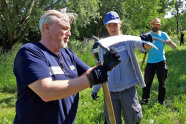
[(50, 15)]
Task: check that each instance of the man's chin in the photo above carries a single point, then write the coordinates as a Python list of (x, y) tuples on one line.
[(114, 34), (64, 45), (155, 29)]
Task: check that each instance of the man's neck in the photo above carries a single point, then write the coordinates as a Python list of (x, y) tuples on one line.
[(116, 34), (49, 46), (155, 32)]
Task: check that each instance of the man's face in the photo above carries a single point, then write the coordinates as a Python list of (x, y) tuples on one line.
[(155, 27), (60, 32), (113, 28)]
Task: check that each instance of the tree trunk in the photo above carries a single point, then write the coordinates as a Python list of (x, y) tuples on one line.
[(6, 46), (177, 24)]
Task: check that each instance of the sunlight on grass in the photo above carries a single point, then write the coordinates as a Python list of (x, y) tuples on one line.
[(90, 111), (8, 115), (7, 108)]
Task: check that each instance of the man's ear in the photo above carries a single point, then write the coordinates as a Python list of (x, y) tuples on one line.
[(120, 23), (46, 27)]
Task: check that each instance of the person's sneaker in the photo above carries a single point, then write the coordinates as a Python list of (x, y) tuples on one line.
[(144, 101), (163, 103)]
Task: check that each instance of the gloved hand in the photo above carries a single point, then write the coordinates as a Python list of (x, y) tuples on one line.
[(99, 74), (146, 37), (111, 59), (94, 95)]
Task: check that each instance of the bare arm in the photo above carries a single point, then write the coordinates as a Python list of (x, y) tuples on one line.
[(171, 43), (146, 46), (49, 90)]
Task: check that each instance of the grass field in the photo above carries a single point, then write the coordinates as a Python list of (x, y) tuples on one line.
[(91, 112)]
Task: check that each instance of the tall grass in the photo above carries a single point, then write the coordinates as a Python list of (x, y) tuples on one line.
[(90, 111), (83, 50), (7, 78)]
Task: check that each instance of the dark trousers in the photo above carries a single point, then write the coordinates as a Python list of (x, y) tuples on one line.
[(181, 42), (161, 70), (125, 101)]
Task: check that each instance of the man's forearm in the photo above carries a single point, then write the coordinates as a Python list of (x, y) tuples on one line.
[(49, 90), (146, 46), (173, 44)]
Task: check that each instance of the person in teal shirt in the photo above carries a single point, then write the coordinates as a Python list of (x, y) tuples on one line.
[(156, 63)]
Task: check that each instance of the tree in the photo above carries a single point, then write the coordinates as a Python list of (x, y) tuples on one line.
[(19, 19), (87, 16), (183, 20), (176, 11), (140, 13), (16, 16), (169, 26), (107, 6)]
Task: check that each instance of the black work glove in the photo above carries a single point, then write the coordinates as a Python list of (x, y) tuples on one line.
[(94, 96), (99, 74), (111, 59), (146, 37)]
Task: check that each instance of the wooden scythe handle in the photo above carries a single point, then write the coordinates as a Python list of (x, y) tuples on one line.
[(107, 98), (108, 103), (144, 57)]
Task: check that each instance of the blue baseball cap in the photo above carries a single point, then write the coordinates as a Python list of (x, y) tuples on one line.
[(111, 17)]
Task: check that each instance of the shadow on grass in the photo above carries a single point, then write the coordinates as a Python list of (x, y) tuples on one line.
[(8, 102), (8, 89)]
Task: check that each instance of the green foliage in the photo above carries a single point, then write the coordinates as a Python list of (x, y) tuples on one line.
[(140, 12), (168, 25), (83, 50), (19, 19), (177, 11), (7, 108), (7, 78), (183, 21), (15, 20), (90, 111), (88, 14)]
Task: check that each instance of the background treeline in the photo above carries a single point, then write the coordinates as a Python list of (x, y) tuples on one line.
[(19, 18)]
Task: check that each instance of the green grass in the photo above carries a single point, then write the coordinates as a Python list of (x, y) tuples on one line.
[(7, 78), (7, 107), (90, 111)]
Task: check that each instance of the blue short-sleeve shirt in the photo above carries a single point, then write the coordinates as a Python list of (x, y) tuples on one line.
[(155, 55), (33, 62)]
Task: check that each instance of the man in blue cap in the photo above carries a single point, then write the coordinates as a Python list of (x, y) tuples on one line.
[(124, 77)]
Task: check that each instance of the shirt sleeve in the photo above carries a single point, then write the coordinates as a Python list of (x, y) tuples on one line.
[(29, 66), (167, 36), (96, 88), (138, 45)]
